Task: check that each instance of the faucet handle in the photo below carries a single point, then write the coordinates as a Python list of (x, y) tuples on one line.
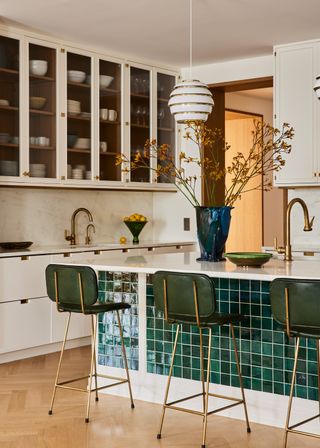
[(279, 249)]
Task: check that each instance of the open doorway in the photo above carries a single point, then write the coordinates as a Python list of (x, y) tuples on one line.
[(253, 97)]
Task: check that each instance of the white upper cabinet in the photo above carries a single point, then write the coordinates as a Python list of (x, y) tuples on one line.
[(66, 113), (296, 67)]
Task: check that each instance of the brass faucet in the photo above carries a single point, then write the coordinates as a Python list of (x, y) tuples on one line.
[(307, 227), (72, 237), (88, 237)]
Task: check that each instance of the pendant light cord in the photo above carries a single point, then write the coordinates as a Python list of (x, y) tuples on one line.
[(190, 40)]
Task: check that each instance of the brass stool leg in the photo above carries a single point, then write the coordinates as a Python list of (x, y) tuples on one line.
[(95, 360), (202, 370), (240, 378), (205, 420), (291, 391), (168, 382), (93, 354), (59, 364), (125, 359)]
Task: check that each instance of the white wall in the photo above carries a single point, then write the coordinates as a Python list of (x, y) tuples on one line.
[(41, 215)]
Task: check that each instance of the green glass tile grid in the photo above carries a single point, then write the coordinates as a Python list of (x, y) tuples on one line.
[(266, 355), (118, 287)]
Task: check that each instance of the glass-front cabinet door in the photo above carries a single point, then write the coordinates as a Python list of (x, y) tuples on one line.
[(110, 131), (79, 117), (140, 119), (165, 121), (9, 107), (42, 112)]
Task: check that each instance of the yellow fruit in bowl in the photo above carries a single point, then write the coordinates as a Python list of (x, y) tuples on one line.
[(135, 217), (122, 240)]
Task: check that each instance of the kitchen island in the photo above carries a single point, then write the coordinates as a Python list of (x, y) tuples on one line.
[(266, 355)]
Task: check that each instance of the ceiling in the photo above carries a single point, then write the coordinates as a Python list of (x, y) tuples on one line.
[(158, 30)]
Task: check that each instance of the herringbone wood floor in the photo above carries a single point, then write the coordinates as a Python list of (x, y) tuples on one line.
[(25, 391)]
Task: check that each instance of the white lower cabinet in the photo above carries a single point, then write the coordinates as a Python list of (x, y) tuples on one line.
[(24, 324), (80, 325)]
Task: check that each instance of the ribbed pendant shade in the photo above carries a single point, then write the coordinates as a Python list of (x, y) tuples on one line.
[(190, 101)]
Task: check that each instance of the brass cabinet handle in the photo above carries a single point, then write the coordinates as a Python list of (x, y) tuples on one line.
[(26, 173), (315, 174), (63, 114), (63, 177), (97, 177)]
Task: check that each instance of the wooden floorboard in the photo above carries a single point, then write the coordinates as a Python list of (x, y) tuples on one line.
[(25, 392)]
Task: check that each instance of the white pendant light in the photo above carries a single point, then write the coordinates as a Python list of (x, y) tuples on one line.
[(317, 87), (190, 100)]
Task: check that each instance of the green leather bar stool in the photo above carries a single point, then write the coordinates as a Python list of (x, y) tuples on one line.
[(191, 299), (74, 289), (296, 306)]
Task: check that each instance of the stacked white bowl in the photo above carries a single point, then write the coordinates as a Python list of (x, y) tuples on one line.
[(83, 143), (37, 170), (4, 137), (77, 173), (105, 81), (73, 107), (38, 67), (76, 76), (8, 168)]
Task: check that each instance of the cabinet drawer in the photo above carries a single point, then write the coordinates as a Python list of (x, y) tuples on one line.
[(24, 325), (22, 279)]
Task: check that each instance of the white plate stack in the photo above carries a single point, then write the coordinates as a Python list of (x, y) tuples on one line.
[(37, 170), (8, 168), (77, 173), (83, 143), (73, 107), (88, 175)]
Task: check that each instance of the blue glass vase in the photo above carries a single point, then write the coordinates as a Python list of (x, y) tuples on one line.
[(213, 228)]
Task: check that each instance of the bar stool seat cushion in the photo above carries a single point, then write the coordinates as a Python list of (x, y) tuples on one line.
[(213, 320), (98, 307)]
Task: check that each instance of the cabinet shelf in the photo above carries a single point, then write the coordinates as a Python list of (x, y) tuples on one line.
[(166, 129), (108, 153), (78, 117), (42, 148), (80, 150), (41, 112), (82, 85), (141, 126), (140, 96), (164, 100), (41, 78), (9, 145), (9, 108), (9, 73), (106, 92), (110, 122)]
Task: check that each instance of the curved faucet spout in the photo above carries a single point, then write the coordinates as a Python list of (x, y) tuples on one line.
[(72, 238), (307, 224)]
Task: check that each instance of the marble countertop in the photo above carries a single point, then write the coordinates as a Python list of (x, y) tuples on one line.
[(187, 262), (67, 248)]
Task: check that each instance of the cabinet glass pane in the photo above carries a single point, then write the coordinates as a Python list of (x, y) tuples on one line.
[(79, 116), (9, 107), (42, 111), (140, 118), (165, 120), (110, 119)]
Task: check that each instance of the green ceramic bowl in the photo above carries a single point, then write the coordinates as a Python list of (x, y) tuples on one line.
[(256, 259)]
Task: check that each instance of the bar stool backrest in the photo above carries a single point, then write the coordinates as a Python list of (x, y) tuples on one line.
[(184, 296), (71, 286), (295, 304)]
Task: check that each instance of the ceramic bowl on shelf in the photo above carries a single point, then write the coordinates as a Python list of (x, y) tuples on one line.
[(83, 143), (4, 102), (37, 102), (254, 259), (9, 168), (4, 137), (38, 67), (76, 76), (14, 245), (105, 81), (71, 139)]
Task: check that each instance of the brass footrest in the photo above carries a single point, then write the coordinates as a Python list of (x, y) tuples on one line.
[(63, 384), (172, 404), (303, 433)]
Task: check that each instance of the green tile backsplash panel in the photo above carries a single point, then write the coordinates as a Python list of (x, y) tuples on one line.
[(118, 287), (266, 355)]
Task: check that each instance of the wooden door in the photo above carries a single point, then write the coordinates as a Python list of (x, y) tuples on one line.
[(246, 230)]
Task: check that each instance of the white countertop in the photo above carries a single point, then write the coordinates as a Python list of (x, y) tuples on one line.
[(67, 248), (186, 262)]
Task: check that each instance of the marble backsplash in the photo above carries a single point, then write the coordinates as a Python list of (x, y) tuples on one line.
[(42, 215)]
